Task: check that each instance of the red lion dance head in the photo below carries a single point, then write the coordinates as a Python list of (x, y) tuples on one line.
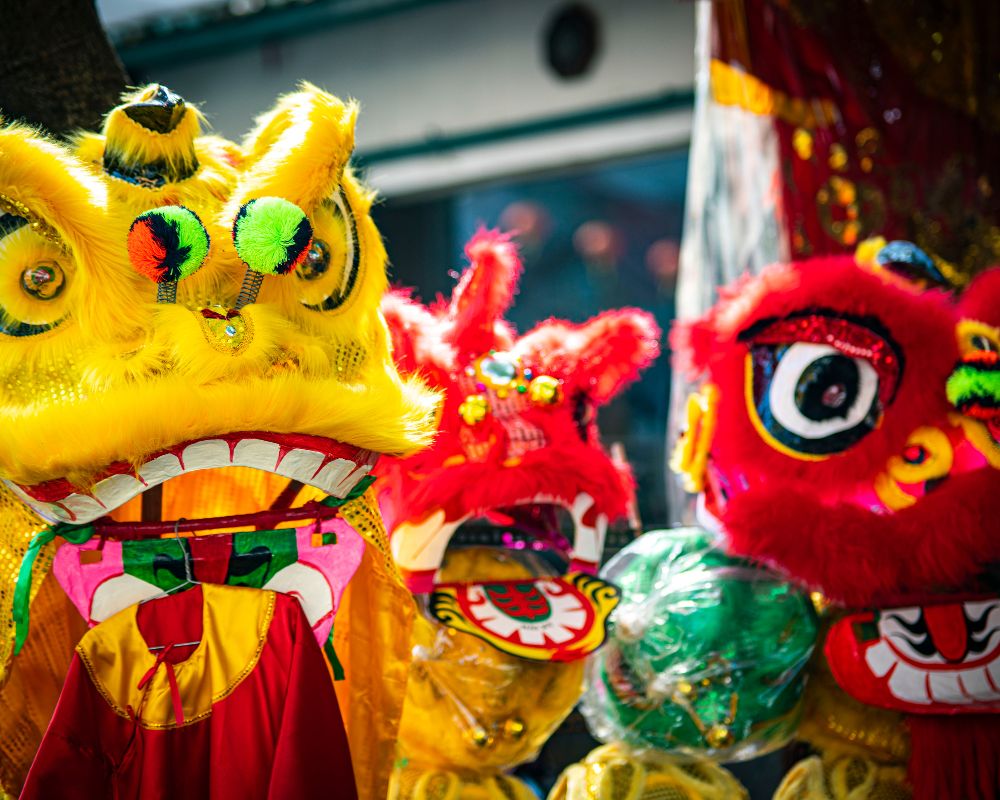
[(846, 433), (518, 428)]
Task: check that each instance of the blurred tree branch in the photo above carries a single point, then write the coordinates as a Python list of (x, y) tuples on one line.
[(58, 69)]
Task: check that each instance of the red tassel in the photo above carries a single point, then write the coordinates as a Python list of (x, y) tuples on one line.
[(955, 757)]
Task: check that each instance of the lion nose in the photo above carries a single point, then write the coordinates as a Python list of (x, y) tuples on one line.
[(160, 113)]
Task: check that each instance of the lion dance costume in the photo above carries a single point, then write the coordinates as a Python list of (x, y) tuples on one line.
[(498, 657), (846, 433), (195, 383)]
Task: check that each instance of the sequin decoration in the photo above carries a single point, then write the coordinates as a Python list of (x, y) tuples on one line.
[(9, 205), (348, 359), (226, 330), (55, 383), (18, 525), (850, 337), (363, 516)]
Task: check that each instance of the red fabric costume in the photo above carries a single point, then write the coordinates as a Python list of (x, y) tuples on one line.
[(237, 704)]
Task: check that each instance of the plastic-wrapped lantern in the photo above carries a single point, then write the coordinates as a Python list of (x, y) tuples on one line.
[(705, 654)]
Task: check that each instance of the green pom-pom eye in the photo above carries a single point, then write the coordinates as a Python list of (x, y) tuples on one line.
[(272, 235), (167, 244)]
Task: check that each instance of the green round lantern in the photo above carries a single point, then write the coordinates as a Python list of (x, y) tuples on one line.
[(705, 655)]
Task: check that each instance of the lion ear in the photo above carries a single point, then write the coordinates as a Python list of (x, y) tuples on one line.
[(298, 150), (601, 356), (483, 293)]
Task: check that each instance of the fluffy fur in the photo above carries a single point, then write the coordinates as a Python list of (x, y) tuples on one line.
[(922, 325), (592, 361), (214, 161), (135, 377), (63, 195), (865, 559), (136, 144), (854, 555)]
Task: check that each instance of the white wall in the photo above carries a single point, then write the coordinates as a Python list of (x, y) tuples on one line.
[(453, 68)]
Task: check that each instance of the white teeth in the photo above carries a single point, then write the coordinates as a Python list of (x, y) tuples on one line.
[(909, 684), (209, 454), (336, 478), (420, 546), (588, 542), (977, 685), (256, 453), (339, 474), (160, 469), (83, 507), (994, 670), (909, 614), (308, 585), (117, 490), (118, 593), (880, 658), (301, 465), (945, 688)]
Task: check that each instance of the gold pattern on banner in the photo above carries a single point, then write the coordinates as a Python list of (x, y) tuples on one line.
[(849, 211), (733, 87)]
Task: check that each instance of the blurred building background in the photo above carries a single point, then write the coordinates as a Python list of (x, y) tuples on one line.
[(567, 122)]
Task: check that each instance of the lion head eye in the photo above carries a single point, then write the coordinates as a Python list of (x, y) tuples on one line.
[(44, 281), (818, 384), (332, 267), (32, 280)]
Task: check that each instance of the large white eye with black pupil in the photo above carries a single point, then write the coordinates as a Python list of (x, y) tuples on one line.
[(331, 268), (813, 398)]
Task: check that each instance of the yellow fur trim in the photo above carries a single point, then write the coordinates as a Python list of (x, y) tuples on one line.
[(202, 192), (80, 436)]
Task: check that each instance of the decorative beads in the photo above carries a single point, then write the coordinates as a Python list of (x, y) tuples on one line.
[(474, 409), (544, 390)]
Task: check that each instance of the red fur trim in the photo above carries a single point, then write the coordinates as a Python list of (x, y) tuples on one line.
[(408, 323), (981, 299), (592, 362), (955, 757), (558, 472), (601, 356), (860, 558), (922, 325)]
